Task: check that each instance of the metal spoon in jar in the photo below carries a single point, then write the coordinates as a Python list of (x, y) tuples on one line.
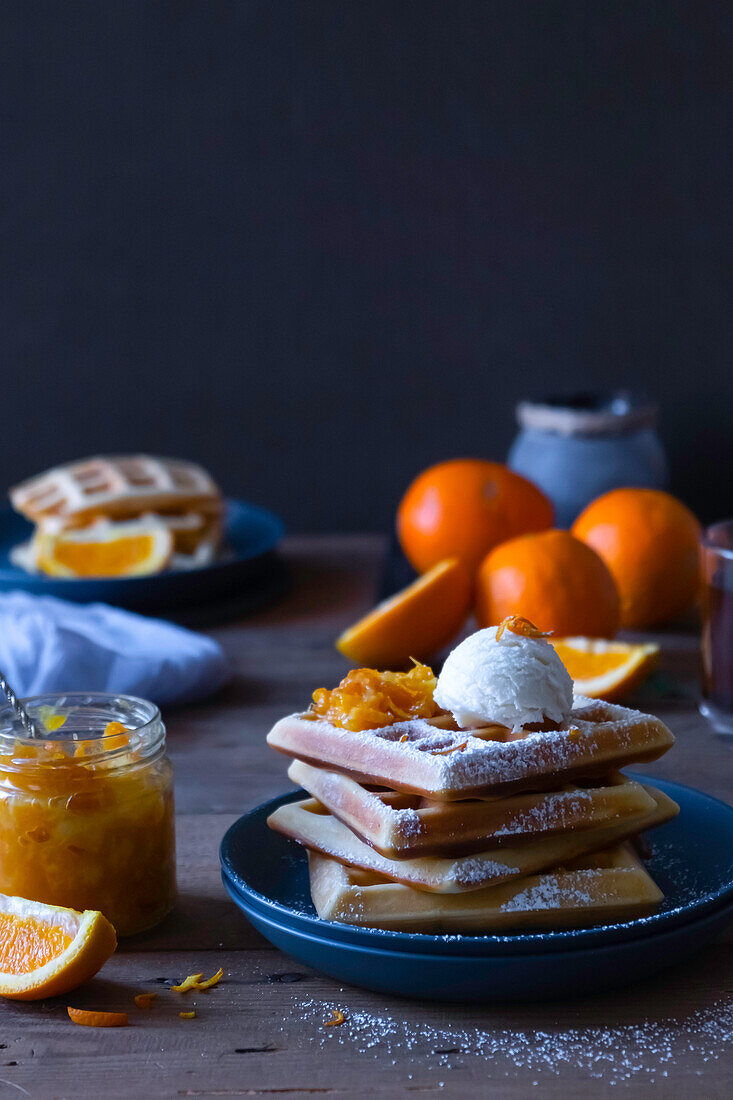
[(19, 710)]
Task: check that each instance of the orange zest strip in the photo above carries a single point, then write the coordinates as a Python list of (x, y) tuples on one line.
[(191, 982), (145, 1000), (337, 1018), (97, 1019), (187, 1015), (213, 980), (521, 626), (452, 748)]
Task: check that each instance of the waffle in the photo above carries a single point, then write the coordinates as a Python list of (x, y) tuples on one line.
[(129, 485), (442, 764), (402, 825), (313, 826), (609, 886)]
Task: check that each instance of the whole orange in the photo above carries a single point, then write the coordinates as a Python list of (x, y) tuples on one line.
[(649, 540), (552, 579), (463, 508)]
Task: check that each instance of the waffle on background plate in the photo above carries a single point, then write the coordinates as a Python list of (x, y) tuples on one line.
[(419, 826), (117, 499)]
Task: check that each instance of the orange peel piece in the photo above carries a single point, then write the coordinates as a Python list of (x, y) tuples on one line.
[(449, 750), (193, 981), (97, 1019), (337, 1018), (212, 981), (187, 1015), (145, 1000), (189, 983), (517, 624)]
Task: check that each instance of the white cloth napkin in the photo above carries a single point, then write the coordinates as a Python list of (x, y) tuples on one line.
[(50, 645)]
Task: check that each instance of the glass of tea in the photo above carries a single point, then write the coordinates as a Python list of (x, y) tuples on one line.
[(717, 626)]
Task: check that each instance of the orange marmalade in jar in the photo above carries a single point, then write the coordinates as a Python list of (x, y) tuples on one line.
[(86, 814)]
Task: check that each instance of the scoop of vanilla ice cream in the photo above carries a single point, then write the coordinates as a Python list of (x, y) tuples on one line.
[(513, 681)]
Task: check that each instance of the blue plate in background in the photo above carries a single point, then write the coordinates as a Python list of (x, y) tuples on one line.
[(692, 860), (243, 574)]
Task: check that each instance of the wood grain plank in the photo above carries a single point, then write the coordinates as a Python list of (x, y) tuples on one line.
[(262, 1032)]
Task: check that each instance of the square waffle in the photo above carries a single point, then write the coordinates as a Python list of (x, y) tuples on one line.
[(608, 886), (103, 487), (424, 758), (400, 825), (310, 824)]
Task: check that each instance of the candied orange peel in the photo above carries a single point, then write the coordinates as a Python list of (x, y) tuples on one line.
[(145, 1000), (519, 625), (337, 1018), (115, 736), (367, 699), (97, 1019), (54, 722)]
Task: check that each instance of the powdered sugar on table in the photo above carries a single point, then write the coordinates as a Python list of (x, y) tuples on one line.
[(646, 1051)]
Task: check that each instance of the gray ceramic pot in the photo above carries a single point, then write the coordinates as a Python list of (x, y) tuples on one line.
[(575, 449)]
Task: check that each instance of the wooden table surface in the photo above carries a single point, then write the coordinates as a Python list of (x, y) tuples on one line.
[(261, 1031)]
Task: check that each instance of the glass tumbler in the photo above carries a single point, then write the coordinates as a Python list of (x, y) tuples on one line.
[(717, 626)]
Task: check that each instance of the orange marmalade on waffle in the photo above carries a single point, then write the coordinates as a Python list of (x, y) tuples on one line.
[(86, 815), (366, 699)]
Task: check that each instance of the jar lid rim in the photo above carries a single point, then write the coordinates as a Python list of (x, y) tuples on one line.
[(141, 717), (567, 420)]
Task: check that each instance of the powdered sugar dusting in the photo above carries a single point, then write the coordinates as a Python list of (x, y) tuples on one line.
[(553, 893), (414, 753), (646, 1051), (555, 811)]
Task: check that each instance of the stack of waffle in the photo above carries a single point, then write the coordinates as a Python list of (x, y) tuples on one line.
[(112, 494), (421, 827)]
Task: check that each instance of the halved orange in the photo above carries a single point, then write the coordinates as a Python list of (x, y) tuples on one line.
[(46, 949), (132, 549), (416, 622), (605, 670)]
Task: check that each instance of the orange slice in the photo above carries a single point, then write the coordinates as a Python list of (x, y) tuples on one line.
[(131, 549), (416, 622), (46, 950), (605, 670)]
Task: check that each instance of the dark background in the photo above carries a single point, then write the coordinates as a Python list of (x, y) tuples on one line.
[(317, 246)]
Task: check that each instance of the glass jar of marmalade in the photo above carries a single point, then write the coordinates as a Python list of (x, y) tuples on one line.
[(86, 814)]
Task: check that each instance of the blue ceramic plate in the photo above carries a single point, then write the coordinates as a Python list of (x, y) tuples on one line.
[(692, 860), (251, 536)]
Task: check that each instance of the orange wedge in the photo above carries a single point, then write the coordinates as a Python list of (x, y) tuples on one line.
[(605, 670), (46, 950), (416, 622), (132, 549)]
